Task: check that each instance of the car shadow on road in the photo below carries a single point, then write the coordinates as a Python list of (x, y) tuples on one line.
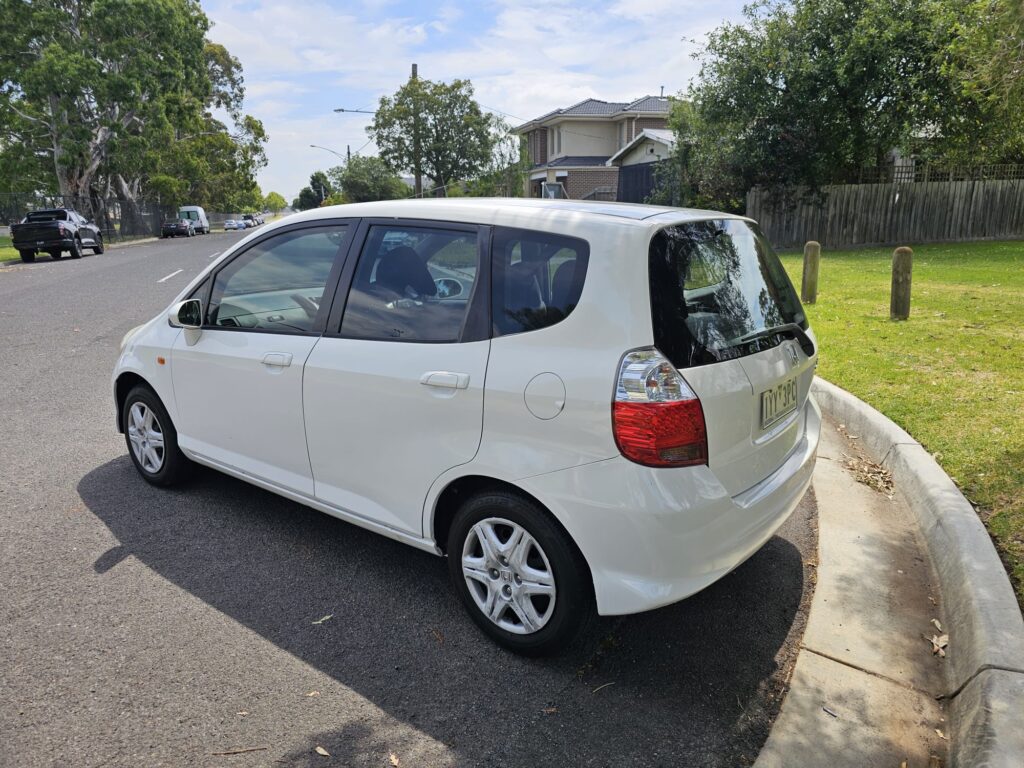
[(698, 682)]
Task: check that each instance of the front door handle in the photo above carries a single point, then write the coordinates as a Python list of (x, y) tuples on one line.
[(445, 379), (277, 359)]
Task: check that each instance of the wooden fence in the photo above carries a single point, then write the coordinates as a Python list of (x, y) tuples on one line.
[(894, 214)]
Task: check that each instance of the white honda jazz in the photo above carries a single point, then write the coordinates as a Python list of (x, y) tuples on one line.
[(583, 406)]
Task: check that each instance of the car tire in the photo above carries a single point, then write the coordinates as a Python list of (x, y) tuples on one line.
[(512, 585), (56, 255), (76, 249), (98, 248), (27, 256), (144, 417)]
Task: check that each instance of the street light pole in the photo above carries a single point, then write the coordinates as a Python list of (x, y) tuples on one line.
[(325, 149)]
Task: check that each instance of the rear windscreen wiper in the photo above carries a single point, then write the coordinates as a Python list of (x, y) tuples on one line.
[(801, 336)]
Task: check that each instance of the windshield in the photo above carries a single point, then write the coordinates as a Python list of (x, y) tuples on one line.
[(714, 284)]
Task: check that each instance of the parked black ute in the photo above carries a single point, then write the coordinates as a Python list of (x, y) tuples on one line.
[(55, 231)]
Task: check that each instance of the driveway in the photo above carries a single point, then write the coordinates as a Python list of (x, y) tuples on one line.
[(150, 627)]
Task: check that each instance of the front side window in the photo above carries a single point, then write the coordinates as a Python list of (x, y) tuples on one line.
[(536, 279), (278, 284), (412, 284), (714, 286)]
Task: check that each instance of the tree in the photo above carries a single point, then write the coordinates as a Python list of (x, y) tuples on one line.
[(364, 179), (118, 95), (434, 127), (806, 92), (503, 174), (315, 194), (274, 202)]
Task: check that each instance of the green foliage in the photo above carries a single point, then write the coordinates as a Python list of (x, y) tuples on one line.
[(503, 174), (316, 194), (806, 92), (117, 94), (274, 202), (364, 179), (950, 375), (440, 120)]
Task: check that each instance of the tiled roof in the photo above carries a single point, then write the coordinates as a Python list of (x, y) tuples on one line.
[(574, 161), (649, 104), (598, 108)]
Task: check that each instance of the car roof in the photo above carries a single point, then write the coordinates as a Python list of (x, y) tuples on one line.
[(484, 208)]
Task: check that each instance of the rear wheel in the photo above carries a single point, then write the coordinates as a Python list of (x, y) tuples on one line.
[(152, 440), (518, 574), (76, 249), (27, 256)]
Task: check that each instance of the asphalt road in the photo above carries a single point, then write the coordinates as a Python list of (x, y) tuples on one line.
[(142, 627)]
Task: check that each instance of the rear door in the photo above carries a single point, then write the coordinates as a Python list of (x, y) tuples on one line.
[(394, 396), (716, 287)]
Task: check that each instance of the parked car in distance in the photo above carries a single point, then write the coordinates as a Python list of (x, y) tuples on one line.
[(250, 220), (177, 228), (231, 224), (197, 216), (583, 406), (54, 231)]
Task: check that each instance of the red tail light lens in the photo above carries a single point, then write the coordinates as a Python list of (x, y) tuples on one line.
[(656, 418)]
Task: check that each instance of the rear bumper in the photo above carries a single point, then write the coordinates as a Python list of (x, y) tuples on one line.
[(655, 536), (64, 244)]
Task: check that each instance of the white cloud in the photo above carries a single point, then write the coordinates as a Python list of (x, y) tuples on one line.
[(534, 56)]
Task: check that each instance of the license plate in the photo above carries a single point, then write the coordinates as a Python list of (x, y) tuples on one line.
[(40, 242), (778, 402)]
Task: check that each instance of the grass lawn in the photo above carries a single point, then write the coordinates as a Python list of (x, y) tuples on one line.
[(952, 376), (6, 252)]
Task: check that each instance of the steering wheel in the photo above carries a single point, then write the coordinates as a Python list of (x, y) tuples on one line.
[(307, 305)]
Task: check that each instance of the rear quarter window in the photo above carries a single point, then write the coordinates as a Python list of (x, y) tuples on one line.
[(536, 279)]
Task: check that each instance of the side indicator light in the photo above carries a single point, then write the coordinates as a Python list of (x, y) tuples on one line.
[(160, 361)]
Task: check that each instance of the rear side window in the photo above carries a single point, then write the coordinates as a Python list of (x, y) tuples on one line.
[(536, 279), (713, 284)]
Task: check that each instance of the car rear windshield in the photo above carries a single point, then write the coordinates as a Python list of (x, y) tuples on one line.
[(714, 284)]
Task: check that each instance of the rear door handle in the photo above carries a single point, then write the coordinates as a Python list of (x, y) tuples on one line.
[(445, 379), (277, 359)]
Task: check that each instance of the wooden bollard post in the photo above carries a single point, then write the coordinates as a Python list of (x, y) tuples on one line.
[(809, 284), (899, 302)]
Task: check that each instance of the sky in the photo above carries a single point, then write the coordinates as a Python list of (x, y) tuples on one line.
[(524, 58)]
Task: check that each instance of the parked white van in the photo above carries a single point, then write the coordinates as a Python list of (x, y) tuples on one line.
[(581, 405), (197, 216)]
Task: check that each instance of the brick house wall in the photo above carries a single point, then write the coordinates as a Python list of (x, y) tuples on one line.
[(633, 127), (580, 182)]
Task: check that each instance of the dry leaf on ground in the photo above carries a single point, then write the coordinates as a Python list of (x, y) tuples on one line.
[(937, 625), (313, 693), (939, 643), (941, 735), (549, 710), (322, 619), (322, 751), (394, 760), (870, 474)]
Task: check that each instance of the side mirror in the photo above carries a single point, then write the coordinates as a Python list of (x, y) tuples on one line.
[(187, 314)]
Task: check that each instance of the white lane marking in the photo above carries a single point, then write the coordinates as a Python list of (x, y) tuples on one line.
[(162, 279), (213, 254)]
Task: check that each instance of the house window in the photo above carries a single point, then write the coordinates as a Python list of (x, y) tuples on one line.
[(558, 139)]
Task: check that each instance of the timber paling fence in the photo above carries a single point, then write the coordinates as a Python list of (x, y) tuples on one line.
[(893, 213)]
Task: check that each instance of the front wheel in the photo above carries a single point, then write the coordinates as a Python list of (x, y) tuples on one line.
[(76, 249), (518, 574), (152, 439), (97, 249)]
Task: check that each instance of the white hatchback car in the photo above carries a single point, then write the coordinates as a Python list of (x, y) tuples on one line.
[(582, 405)]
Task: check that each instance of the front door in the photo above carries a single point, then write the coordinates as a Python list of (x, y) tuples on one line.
[(238, 389), (395, 398)]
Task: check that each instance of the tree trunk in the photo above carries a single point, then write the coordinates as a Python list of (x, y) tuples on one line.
[(132, 220)]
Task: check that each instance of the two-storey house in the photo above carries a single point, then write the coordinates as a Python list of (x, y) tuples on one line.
[(574, 145)]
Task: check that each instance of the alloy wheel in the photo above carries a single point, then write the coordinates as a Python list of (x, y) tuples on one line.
[(509, 576), (146, 436)]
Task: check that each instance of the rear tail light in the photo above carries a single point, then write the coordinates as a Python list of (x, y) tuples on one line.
[(60, 228), (656, 418)]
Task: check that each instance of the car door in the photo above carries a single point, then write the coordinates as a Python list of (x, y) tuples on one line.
[(238, 389), (394, 396)]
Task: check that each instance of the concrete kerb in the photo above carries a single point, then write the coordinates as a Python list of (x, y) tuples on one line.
[(985, 670)]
